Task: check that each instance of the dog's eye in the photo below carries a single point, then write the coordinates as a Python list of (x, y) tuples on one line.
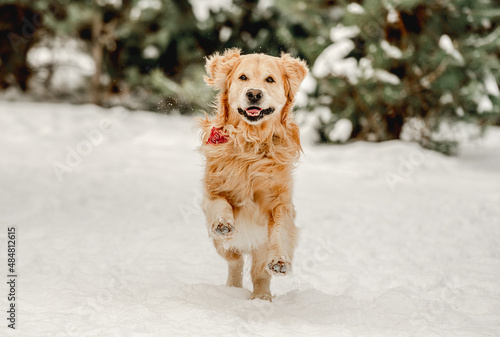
[(243, 78), (269, 80)]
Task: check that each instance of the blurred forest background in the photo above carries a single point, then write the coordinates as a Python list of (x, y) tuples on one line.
[(418, 70)]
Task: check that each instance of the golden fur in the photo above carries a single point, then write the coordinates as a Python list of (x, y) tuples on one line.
[(248, 179)]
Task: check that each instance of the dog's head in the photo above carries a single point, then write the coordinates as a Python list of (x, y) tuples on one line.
[(254, 88)]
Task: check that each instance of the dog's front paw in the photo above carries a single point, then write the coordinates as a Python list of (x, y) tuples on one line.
[(279, 266), (222, 228)]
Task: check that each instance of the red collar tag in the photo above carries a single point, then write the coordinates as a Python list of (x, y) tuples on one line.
[(217, 137)]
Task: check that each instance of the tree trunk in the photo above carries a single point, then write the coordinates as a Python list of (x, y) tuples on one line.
[(97, 56), (394, 124)]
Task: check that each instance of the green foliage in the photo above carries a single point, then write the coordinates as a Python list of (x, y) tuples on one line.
[(431, 61), (150, 44), (428, 60)]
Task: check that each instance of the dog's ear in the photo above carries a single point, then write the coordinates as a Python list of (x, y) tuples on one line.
[(295, 70), (219, 66)]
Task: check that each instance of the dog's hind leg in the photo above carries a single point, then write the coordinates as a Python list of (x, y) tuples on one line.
[(260, 277), (235, 264)]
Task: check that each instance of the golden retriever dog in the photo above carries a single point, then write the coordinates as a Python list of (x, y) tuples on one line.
[(250, 146)]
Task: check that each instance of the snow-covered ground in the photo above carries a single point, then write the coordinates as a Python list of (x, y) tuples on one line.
[(395, 240)]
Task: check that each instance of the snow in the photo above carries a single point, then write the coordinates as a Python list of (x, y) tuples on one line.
[(340, 33), (491, 85), (484, 104), (446, 98), (390, 50), (145, 4), (114, 3), (355, 8), (386, 77), (462, 132), (392, 16), (308, 86), (225, 33), (347, 68), (151, 52), (341, 131), (332, 59), (446, 44), (395, 240), (491, 38), (309, 122), (202, 8), (71, 65)]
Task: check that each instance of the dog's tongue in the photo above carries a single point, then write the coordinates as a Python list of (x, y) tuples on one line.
[(253, 111)]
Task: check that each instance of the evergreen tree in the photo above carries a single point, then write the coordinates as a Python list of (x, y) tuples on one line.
[(385, 66), (432, 63)]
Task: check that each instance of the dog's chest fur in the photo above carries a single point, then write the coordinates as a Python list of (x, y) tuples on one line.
[(251, 230), (243, 177), (254, 178)]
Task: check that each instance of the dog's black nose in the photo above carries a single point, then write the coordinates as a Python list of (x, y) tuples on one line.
[(254, 95)]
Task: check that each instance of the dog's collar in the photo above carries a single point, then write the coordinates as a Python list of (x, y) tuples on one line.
[(217, 137)]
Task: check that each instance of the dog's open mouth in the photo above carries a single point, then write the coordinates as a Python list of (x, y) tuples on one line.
[(254, 113)]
